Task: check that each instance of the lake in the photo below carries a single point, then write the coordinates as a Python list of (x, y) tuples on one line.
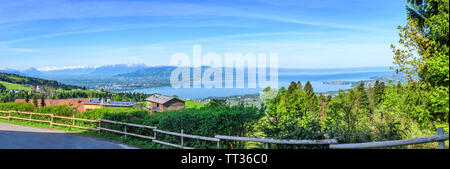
[(285, 77)]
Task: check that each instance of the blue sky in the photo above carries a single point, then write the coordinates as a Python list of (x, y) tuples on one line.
[(305, 33)]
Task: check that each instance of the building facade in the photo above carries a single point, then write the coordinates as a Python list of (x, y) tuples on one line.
[(75, 103), (159, 103)]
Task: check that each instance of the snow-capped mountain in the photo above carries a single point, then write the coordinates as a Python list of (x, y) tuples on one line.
[(111, 70), (78, 71)]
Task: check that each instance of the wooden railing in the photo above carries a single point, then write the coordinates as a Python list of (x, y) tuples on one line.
[(268, 141), (333, 144), (441, 137), (155, 131), (51, 122)]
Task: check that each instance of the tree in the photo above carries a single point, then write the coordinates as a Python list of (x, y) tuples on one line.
[(217, 103), (299, 85), (362, 98), (27, 97), (308, 89), (42, 100), (35, 102), (2, 88), (378, 90), (426, 51), (118, 98)]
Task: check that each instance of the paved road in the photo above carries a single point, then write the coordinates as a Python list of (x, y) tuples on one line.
[(23, 137)]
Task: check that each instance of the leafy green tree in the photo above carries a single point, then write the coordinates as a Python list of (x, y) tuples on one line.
[(425, 52), (118, 98)]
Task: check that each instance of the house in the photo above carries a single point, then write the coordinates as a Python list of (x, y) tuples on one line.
[(95, 104), (76, 103), (159, 103)]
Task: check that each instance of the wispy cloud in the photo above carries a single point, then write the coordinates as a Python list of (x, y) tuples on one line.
[(17, 11), (108, 32)]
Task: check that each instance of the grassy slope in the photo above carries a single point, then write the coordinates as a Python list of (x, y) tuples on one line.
[(14, 86), (193, 104)]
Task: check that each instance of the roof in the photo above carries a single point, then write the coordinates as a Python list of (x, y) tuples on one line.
[(77, 103), (112, 103), (161, 99)]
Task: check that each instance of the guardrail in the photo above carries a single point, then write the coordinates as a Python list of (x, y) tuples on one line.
[(155, 131), (441, 137), (268, 141), (51, 121), (333, 144)]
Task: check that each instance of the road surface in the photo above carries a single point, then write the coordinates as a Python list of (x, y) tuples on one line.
[(23, 137)]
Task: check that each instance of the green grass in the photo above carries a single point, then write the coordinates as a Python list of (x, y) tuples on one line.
[(12, 86), (194, 104), (17, 78)]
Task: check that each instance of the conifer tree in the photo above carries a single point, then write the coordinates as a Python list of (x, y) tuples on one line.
[(27, 97), (35, 102), (42, 101)]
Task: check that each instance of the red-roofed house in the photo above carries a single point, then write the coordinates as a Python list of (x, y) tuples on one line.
[(76, 103)]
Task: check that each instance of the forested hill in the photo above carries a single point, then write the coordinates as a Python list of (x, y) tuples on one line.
[(23, 80)]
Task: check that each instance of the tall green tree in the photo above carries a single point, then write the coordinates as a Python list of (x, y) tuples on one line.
[(27, 97), (35, 102), (425, 52), (42, 100)]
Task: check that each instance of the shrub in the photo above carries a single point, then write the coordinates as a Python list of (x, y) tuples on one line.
[(207, 121), (17, 106), (58, 110)]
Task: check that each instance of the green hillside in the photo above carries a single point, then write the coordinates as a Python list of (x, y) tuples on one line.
[(19, 80), (13, 86), (193, 104)]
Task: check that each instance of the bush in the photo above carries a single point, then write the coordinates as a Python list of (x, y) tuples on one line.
[(206, 121), (58, 110), (17, 106), (100, 113)]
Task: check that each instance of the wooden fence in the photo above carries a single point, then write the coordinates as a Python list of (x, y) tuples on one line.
[(441, 137), (51, 122), (333, 144), (268, 141), (155, 131)]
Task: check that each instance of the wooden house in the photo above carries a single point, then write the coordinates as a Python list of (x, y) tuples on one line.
[(159, 103)]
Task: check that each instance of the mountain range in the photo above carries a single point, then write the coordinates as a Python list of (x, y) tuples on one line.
[(105, 71), (139, 76), (144, 71)]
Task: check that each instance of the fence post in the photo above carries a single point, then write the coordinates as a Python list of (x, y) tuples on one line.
[(125, 130), (218, 144), (9, 115), (182, 139), (267, 145), (154, 132), (73, 120), (99, 125), (440, 131), (30, 117), (51, 121)]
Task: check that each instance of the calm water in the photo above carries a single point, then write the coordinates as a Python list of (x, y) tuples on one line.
[(285, 76)]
